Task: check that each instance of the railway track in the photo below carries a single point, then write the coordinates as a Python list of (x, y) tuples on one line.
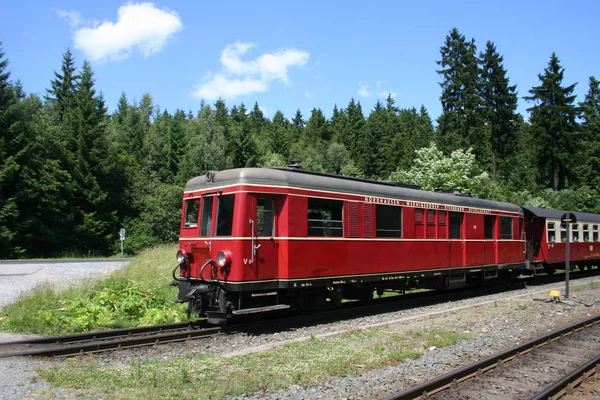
[(94, 342), (543, 368), (101, 341)]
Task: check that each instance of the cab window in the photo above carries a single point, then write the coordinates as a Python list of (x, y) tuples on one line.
[(225, 215), (265, 216), (192, 211), (207, 206)]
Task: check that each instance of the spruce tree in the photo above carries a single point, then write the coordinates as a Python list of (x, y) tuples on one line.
[(317, 129), (500, 105), (62, 88), (589, 166), (460, 124), (553, 122), (279, 135), (95, 222)]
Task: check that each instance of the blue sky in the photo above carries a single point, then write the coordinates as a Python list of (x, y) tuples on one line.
[(290, 55)]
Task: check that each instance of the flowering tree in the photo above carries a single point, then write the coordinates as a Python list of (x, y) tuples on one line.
[(432, 170)]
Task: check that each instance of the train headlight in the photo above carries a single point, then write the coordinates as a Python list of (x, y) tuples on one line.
[(224, 258), (181, 258)]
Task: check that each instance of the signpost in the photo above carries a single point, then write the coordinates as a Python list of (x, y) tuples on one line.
[(122, 237), (566, 220)]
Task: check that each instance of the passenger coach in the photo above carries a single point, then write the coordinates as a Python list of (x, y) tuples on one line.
[(260, 239), (548, 237)]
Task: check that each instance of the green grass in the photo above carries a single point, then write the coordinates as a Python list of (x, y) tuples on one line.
[(137, 294), (210, 376)]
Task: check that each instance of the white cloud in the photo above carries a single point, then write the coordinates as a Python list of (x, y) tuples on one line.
[(309, 95), (72, 17), (379, 83), (239, 77), (364, 91), (228, 88), (140, 26)]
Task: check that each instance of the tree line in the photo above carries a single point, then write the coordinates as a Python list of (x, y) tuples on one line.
[(72, 174)]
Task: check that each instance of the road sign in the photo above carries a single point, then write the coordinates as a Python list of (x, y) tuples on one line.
[(122, 238)]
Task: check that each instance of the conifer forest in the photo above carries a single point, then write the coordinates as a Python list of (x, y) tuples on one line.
[(72, 174)]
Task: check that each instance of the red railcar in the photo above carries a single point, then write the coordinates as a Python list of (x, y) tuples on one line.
[(259, 239), (547, 239)]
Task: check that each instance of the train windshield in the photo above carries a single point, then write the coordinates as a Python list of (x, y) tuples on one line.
[(225, 215), (206, 216)]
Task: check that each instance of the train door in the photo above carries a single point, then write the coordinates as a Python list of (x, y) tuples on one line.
[(264, 218), (456, 234), (489, 229)]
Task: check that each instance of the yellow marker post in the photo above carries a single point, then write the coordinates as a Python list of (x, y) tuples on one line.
[(555, 294)]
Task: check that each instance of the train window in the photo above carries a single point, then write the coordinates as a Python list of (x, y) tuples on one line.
[(265, 216), (192, 211), (575, 232), (430, 217), (325, 217), (551, 230), (419, 216), (207, 206), (506, 228), (225, 215), (595, 234), (586, 233), (388, 221), (563, 233), (455, 225), (442, 218), (488, 226)]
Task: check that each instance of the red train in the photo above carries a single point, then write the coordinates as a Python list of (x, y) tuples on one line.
[(261, 239)]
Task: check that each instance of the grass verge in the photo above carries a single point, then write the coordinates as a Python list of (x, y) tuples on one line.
[(211, 376), (137, 294)]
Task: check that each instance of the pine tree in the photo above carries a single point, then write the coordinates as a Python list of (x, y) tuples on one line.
[(298, 124), (95, 221), (460, 124), (554, 127), (590, 131), (378, 134), (317, 129), (244, 154), (279, 135), (122, 108), (500, 105), (62, 88), (9, 167)]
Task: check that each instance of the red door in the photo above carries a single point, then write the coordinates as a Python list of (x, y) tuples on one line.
[(264, 236)]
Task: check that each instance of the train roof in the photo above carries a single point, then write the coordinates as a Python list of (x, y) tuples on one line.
[(292, 177), (557, 214)]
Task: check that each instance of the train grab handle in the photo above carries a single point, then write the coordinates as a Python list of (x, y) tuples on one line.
[(254, 248)]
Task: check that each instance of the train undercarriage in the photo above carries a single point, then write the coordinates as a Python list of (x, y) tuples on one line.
[(220, 301)]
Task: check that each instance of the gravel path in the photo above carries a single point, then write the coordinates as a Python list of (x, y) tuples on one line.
[(495, 321), (17, 278)]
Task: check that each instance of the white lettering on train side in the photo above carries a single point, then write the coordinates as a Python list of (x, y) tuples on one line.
[(422, 204)]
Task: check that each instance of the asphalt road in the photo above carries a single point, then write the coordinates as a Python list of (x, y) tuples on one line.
[(18, 277)]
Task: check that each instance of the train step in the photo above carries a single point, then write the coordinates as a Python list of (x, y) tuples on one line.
[(261, 309)]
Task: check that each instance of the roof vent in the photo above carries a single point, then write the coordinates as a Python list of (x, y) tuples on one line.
[(294, 164)]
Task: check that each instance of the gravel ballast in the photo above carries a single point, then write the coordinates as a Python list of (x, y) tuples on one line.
[(495, 322)]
